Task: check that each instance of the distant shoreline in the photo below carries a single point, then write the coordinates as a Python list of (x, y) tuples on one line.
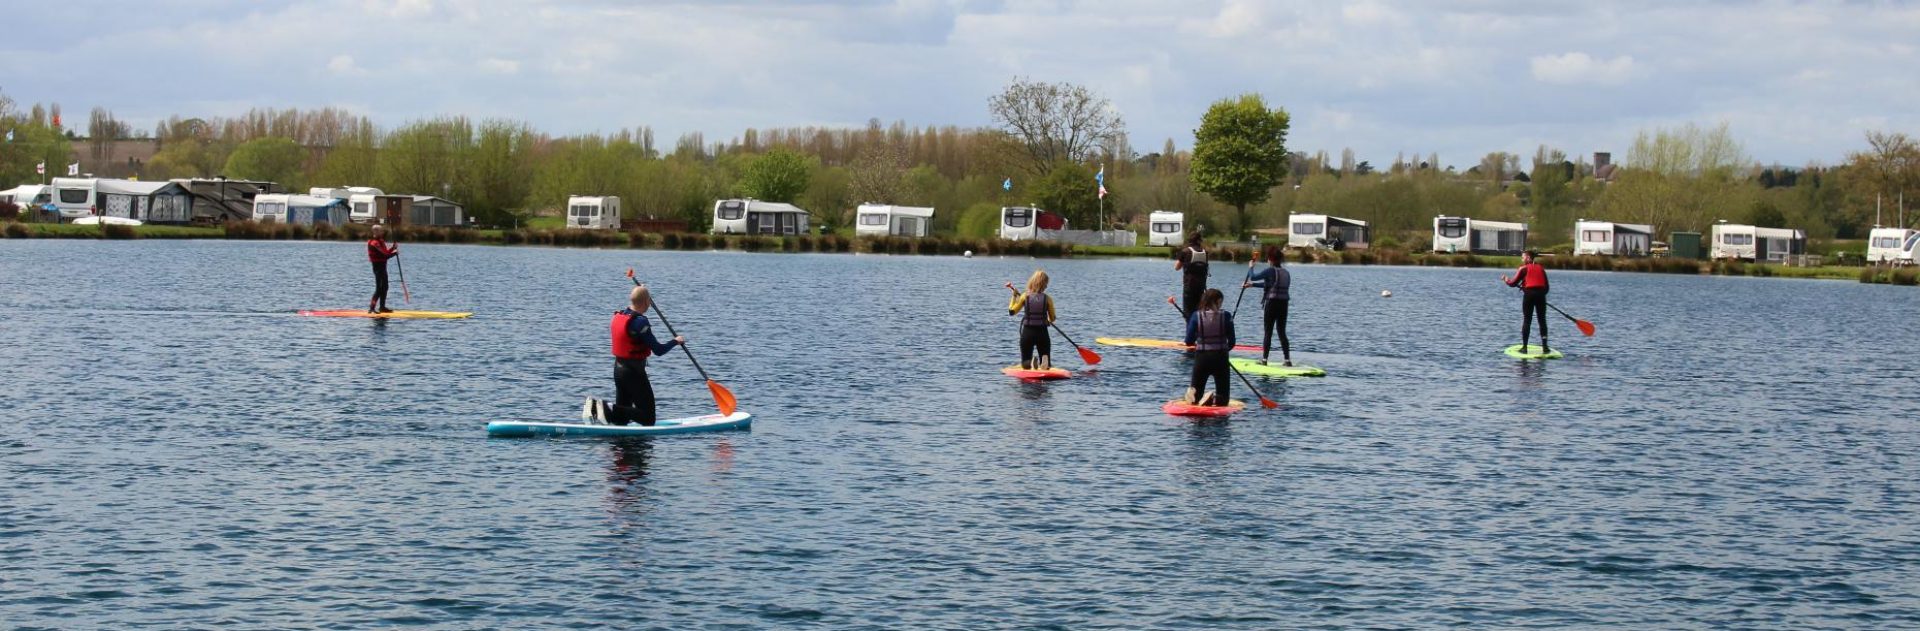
[(946, 246)]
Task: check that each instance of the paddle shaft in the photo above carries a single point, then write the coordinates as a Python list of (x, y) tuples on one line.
[(1557, 310), (670, 331), (402, 266)]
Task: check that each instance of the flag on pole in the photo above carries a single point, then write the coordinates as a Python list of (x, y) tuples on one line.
[(1101, 180), (1007, 185), (40, 169), (56, 120), (9, 135), (73, 169)]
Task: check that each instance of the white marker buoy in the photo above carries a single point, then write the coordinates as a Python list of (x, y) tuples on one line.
[(967, 254), (1386, 293)]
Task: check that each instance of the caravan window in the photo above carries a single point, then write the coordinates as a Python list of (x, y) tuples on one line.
[(73, 196), (360, 208), (1453, 229), (731, 211), (873, 219), (1736, 239), (1309, 228), (1017, 218), (1166, 227), (1886, 242), (1596, 236), (583, 211)]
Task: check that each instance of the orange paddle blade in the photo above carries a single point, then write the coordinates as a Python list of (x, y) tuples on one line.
[(1087, 355), (1585, 327), (723, 398), (1268, 403)]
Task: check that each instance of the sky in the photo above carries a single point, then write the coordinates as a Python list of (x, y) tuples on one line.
[(1796, 82)]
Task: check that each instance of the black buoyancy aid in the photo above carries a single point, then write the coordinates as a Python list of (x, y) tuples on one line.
[(1211, 332), (1036, 310)]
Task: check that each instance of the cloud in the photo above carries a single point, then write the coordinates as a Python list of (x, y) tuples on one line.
[(496, 65), (344, 65), (1578, 68)]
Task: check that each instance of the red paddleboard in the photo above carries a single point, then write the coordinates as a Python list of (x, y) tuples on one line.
[(1034, 374), (1178, 407)]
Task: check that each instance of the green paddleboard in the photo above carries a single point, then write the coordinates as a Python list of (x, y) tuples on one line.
[(1274, 369), (1531, 352)]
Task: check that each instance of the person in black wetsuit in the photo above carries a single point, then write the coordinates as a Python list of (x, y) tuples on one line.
[(1192, 264), (1210, 333), (1035, 309), (1532, 281), (1275, 280), (379, 251), (633, 343)]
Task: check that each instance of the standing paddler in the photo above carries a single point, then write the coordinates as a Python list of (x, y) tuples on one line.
[(1532, 281), (379, 251)]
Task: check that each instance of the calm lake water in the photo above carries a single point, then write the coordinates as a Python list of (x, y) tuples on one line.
[(179, 449)]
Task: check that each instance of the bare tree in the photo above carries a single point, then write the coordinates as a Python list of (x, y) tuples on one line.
[(1055, 121)]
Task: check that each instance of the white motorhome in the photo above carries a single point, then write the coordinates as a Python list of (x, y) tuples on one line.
[(1739, 241), (1476, 236), (881, 220), (1888, 245), (593, 212), (75, 197), (752, 216), (1166, 227), (1605, 238), (1021, 223), (1311, 231)]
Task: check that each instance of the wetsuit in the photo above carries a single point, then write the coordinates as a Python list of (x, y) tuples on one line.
[(1275, 281), (1034, 317), (1210, 333), (1193, 277), (1532, 281), (633, 343), (379, 251)]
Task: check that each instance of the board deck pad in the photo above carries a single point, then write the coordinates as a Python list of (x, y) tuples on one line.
[(1274, 369), (1532, 351), (692, 424), (1034, 374), (395, 315), (1178, 407)]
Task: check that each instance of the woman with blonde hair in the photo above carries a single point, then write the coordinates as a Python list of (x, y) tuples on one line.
[(1035, 309)]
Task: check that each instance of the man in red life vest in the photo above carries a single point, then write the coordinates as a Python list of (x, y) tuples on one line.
[(633, 343), (379, 250), (1532, 281)]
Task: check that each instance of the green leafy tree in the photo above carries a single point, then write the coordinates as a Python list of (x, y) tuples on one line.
[(270, 159), (1240, 152), (780, 175), (1068, 190)]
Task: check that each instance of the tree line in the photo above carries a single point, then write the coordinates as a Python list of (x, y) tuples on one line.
[(1044, 147)]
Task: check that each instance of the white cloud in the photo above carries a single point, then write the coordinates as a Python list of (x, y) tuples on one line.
[(402, 9), (344, 65), (1580, 68), (495, 65)]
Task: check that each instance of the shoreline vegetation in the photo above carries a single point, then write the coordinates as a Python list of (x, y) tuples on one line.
[(833, 243)]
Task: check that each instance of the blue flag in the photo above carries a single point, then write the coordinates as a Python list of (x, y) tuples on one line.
[(1007, 185), (9, 135)]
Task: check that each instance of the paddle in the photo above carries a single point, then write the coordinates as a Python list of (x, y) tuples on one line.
[(1086, 355), (1584, 326), (1264, 401), (722, 397), (404, 294), (1243, 284)]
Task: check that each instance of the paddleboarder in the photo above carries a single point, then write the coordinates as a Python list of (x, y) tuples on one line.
[(1210, 333), (379, 251), (1191, 262), (1532, 281), (1035, 309), (1274, 282), (633, 343)]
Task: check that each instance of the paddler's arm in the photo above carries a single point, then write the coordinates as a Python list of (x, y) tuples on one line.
[(1019, 300), (645, 335), (1049, 309), (1232, 341), (1193, 328)]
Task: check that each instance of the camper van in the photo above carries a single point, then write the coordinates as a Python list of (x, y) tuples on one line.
[(1765, 245), (593, 213), (1605, 238), (1018, 223), (1887, 245), (752, 216), (1325, 231), (75, 197), (1166, 227), (1473, 236), (882, 220)]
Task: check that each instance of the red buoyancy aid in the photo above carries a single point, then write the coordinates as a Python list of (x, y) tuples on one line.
[(1533, 276), (1211, 334), (624, 346), (379, 252)]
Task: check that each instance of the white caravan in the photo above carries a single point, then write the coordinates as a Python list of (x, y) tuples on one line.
[(1474, 236), (1887, 245), (1738, 241), (752, 216), (75, 197), (1605, 238), (882, 220), (1311, 231), (593, 213), (1166, 227)]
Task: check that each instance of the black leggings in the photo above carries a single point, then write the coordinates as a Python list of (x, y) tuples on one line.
[(1190, 296), (1032, 339), (633, 393), (379, 286), (1212, 364), (1533, 305), (1276, 319)]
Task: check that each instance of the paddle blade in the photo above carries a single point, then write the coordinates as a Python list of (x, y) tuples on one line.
[(1087, 355), (1268, 403), (1585, 327), (723, 398)]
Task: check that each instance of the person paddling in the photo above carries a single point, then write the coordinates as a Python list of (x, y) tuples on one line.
[(633, 343), (1275, 280), (1191, 262), (1210, 333), (1035, 309), (1532, 281), (379, 251)]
